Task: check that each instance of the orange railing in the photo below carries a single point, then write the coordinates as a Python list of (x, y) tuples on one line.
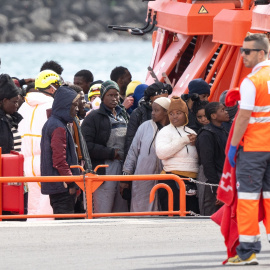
[(92, 182)]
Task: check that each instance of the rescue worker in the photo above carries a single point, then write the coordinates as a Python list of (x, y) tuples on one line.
[(34, 112), (252, 129)]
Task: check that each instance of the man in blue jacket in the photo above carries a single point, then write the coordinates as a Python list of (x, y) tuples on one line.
[(58, 151)]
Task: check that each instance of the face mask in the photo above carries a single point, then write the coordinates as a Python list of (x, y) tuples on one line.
[(96, 103)]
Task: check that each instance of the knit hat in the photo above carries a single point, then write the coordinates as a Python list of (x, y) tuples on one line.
[(178, 103), (106, 86), (198, 86), (8, 89), (156, 89), (131, 87), (94, 90), (164, 102)]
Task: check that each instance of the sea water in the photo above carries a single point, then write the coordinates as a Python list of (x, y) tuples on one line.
[(23, 60)]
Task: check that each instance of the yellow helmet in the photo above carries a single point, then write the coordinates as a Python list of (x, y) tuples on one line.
[(94, 90), (45, 78)]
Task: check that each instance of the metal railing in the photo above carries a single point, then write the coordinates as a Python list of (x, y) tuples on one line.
[(91, 181)]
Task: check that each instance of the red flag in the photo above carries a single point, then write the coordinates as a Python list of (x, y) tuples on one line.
[(226, 215)]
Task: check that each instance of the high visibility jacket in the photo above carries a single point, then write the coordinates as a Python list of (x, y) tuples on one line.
[(256, 137)]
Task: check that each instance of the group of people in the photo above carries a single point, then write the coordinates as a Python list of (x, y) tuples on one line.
[(129, 126), (138, 129)]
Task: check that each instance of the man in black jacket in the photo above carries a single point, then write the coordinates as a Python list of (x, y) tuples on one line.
[(104, 130), (210, 144)]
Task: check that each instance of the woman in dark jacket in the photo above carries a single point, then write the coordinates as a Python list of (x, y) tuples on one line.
[(9, 118), (144, 111), (104, 131)]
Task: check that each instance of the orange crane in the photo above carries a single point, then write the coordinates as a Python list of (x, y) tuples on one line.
[(201, 39)]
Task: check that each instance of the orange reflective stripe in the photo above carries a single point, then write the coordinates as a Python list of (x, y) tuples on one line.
[(32, 152), (32, 119), (247, 217), (32, 143), (31, 135)]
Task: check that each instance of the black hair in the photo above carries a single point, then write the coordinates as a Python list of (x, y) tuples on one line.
[(261, 41), (117, 73), (197, 103), (52, 65), (95, 82), (185, 97), (86, 74), (155, 89), (210, 108), (76, 88)]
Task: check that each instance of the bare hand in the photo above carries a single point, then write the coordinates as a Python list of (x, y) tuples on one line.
[(29, 80), (128, 102), (116, 154), (88, 106), (192, 138), (72, 190), (218, 202), (122, 187)]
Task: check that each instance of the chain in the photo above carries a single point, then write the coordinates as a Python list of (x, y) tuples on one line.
[(194, 214), (203, 183)]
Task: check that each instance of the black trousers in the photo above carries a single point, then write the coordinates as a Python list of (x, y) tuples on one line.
[(62, 203), (191, 201), (209, 203)]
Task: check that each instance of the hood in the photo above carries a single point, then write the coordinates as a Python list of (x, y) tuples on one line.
[(63, 99), (37, 98), (138, 95)]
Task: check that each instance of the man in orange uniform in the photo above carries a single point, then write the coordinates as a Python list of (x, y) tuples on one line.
[(252, 131)]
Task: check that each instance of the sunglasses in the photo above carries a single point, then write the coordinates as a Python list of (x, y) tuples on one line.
[(247, 51)]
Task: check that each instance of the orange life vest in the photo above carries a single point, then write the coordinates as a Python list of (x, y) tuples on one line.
[(257, 135)]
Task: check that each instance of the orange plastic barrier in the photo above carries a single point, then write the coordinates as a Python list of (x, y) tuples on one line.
[(92, 181)]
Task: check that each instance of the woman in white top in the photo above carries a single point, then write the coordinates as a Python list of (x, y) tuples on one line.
[(175, 146)]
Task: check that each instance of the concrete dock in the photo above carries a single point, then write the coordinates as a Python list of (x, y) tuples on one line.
[(118, 243)]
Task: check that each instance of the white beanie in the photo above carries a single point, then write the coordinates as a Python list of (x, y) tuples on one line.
[(164, 102)]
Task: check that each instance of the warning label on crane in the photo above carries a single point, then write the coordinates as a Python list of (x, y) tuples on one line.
[(203, 10)]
